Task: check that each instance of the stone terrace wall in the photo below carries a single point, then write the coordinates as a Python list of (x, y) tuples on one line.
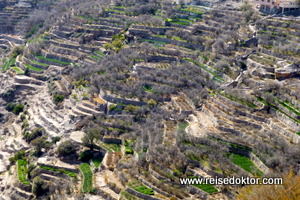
[(154, 188), (286, 119), (55, 167), (140, 195), (179, 43), (12, 39), (254, 64), (112, 140), (116, 100), (155, 30)]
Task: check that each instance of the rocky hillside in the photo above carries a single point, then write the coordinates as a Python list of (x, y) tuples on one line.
[(120, 100)]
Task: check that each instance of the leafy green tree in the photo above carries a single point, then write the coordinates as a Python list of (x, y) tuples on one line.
[(34, 134), (18, 155), (67, 148), (40, 143), (90, 138)]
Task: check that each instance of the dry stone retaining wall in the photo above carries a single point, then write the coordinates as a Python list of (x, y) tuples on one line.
[(140, 195)]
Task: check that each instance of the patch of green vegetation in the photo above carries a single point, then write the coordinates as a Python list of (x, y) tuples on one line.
[(34, 29), (95, 57), (145, 190), (162, 36), (18, 70), (183, 19), (205, 187), (111, 147), (245, 163), (20, 155), (147, 88), (192, 10), (128, 196), (154, 41), (240, 100), (128, 148), (231, 144), (113, 107), (100, 53), (182, 126), (38, 63), (84, 17), (87, 186), (71, 174), (289, 107), (298, 133), (276, 108), (8, 64), (196, 18), (58, 98), (193, 156), (180, 23), (97, 162), (263, 101), (22, 171), (78, 34), (292, 118), (216, 76), (15, 108), (52, 60), (33, 68), (123, 7), (210, 189), (174, 37)]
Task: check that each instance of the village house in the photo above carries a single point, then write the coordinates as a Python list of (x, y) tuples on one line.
[(179, 1), (276, 6)]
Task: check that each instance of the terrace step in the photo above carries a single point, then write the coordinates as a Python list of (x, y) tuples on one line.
[(86, 109), (80, 113), (20, 194), (22, 79), (49, 177)]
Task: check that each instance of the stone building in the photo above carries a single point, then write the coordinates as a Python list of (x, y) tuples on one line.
[(289, 71), (276, 6), (179, 1)]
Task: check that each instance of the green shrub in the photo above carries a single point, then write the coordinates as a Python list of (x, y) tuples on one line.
[(10, 106), (34, 29), (112, 107), (18, 108), (23, 117), (25, 124), (56, 139), (58, 98), (18, 155)]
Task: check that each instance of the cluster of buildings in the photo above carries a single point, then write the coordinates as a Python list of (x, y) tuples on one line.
[(277, 6)]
